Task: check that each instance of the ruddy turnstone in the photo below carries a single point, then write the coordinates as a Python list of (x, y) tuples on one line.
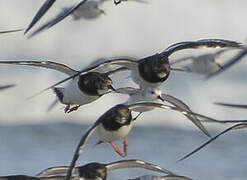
[(82, 90), (152, 71)]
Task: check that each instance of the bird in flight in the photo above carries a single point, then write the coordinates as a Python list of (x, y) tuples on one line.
[(99, 171), (153, 70), (93, 11), (82, 90)]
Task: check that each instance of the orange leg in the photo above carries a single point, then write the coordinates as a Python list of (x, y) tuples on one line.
[(66, 109), (125, 145), (73, 108), (117, 149)]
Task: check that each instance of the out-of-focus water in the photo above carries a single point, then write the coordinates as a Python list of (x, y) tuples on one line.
[(28, 149)]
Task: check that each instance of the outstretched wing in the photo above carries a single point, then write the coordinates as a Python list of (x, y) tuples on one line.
[(135, 163), (7, 86), (230, 63), (44, 8), (58, 18), (180, 104), (236, 126), (204, 43), (243, 106), (184, 112), (128, 90), (44, 64), (56, 171), (124, 62), (183, 59), (80, 148), (10, 31)]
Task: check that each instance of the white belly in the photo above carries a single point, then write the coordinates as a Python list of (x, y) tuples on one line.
[(73, 95), (108, 136)]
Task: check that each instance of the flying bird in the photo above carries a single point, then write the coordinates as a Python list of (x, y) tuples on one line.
[(157, 96), (205, 64), (230, 63), (99, 171), (82, 90), (153, 70), (234, 127), (91, 8), (115, 124)]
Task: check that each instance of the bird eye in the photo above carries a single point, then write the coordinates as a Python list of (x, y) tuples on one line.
[(152, 92)]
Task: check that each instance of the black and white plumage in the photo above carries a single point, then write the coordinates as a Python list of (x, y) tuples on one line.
[(167, 177), (157, 96), (82, 90), (99, 171), (93, 11), (233, 127), (115, 124), (230, 63), (153, 70)]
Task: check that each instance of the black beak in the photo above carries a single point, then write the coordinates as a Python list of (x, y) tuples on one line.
[(112, 88), (159, 97)]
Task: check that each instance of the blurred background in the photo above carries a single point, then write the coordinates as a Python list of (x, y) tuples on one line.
[(32, 139)]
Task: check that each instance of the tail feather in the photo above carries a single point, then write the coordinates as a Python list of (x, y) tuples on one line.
[(59, 93)]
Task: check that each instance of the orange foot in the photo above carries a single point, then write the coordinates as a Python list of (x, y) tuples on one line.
[(73, 109), (125, 145), (117, 149), (67, 108)]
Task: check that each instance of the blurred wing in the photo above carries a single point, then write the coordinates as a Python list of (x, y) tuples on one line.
[(135, 163), (45, 7), (180, 104), (128, 90), (80, 148), (138, 1), (56, 171), (18, 177), (44, 64), (58, 18), (184, 112), (10, 31), (7, 86), (183, 59), (236, 126), (121, 69), (232, 105), (125, 62), (174, 177), (231, 62), (204, 43), (52, 105)]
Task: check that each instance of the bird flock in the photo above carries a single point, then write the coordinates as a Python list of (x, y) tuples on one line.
[(86, 85)]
